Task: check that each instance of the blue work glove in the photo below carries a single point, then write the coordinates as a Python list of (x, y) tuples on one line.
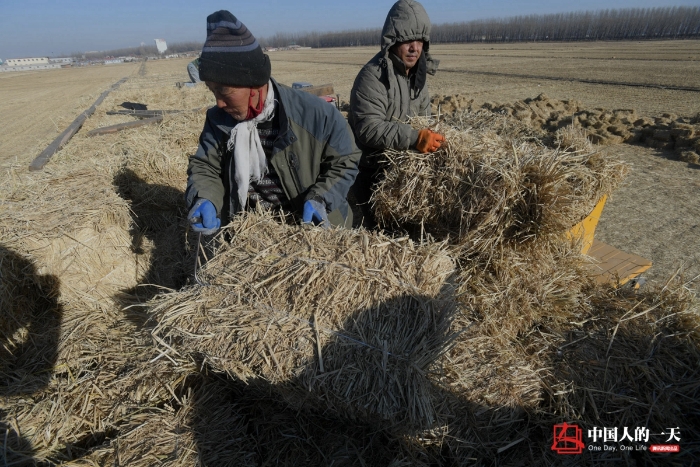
[(315, 211), (203, 218)]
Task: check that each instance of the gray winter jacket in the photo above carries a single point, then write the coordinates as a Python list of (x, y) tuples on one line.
[(314, 156), (382, 96)]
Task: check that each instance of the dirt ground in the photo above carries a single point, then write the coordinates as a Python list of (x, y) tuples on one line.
[(656, 214)]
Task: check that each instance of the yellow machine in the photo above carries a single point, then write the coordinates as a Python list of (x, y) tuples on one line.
[(609, 263)]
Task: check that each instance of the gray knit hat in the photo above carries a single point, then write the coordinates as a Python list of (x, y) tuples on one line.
[(231, 55)]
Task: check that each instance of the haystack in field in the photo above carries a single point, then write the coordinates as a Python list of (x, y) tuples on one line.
[(77, 239), (488, 185), (354, 319)]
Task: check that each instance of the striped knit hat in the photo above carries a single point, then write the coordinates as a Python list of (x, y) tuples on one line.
[(231, 55)]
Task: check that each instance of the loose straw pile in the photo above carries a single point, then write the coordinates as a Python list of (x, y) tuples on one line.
[(353, 318), (77, 241)]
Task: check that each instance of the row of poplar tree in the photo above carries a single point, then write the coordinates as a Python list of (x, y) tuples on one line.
[(623, 24)]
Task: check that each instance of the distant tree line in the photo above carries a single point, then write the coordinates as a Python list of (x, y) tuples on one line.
[(632, 23), (142, 51), (623, 24), (324, 39)]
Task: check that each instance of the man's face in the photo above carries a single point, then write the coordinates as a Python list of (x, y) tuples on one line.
[(408, 52), (231, 99)]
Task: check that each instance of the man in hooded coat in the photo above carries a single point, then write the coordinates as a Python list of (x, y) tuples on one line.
[(391, 87)]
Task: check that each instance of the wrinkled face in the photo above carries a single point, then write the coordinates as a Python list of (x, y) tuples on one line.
[(409, 52), (231, 99)]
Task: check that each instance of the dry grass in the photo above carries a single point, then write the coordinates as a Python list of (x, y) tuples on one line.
[(103, 228), (103, 218), (490, 184), (352, 320)]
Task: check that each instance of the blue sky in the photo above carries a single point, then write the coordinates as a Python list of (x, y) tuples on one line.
[(54, 28)]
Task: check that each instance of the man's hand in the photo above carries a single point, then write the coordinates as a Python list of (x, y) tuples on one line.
[(315, 211), (203, 218), (429, 141)]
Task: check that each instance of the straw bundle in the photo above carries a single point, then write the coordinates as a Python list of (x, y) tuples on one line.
[(515, 288), (483, 188), (357, 319)]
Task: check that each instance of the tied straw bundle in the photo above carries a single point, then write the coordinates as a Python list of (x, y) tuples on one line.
[(356, 319), (492, 182)]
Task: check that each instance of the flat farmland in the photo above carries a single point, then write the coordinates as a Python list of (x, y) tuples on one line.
[(36, 106), (655, 214), (651, 77)]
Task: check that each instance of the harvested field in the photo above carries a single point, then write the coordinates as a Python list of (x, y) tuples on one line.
[(511, 72), (37, 107), (111, 355)]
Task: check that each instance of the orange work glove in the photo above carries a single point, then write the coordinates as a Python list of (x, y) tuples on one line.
[(428, 140)]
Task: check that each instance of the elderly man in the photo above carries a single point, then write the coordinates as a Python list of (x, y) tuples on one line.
[(264, 144), (388, 89)]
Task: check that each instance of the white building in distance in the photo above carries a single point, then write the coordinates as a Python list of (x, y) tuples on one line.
[(61, 60), (27, 61)]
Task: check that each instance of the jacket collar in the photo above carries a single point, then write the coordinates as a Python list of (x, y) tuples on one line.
[(286, 135)]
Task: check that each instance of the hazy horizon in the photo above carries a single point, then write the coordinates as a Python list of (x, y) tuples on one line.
[(35, 28)]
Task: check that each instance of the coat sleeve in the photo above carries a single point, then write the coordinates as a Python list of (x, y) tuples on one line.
[(339, 160), (369, 104), (204, 177)]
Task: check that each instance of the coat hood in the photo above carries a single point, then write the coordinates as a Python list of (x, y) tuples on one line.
[(408, 21)]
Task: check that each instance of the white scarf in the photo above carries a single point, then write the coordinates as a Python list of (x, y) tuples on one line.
[(248, 155)]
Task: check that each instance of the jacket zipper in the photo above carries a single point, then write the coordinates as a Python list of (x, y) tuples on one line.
[(233, 195), (294, 168)]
